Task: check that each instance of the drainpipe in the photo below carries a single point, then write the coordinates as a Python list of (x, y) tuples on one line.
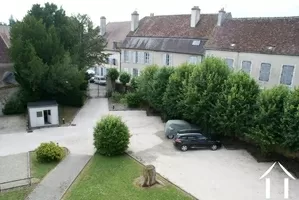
[(120, 61)]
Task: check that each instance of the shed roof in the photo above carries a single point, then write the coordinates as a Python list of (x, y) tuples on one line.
[(38, 104)]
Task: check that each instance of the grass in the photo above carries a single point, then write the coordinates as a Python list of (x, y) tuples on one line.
[(113, 179), (38, 170), (68, 113)]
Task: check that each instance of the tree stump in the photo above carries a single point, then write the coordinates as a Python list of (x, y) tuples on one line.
[(149, 176)]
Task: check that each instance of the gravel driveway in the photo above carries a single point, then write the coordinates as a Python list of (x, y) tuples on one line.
[(208, 175)]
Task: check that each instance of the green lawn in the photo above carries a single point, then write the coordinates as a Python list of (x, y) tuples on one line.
[(38, 170), (113, 179)]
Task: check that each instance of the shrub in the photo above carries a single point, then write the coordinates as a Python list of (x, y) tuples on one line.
[(268, 129), (145, 81), (49, 152), (111, 136), (113, 74), (116, 96), (237, 105), (173, 95), (160, 82), (134, 83), (133, 99), (16, 104), (124, 78), (203, 91)]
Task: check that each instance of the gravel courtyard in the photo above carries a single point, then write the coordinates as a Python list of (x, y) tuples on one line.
[(208, 175)]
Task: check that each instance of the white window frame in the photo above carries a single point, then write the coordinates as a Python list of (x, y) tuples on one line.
[(133, 75), (232, 67), (146, 57), (126, 56), (136, 58), (250, 66), (167, 59), (292, 76), (269, 72)]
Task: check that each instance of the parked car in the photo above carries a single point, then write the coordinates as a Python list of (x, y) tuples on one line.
[(193, 139), (101, 80), (173, 126)]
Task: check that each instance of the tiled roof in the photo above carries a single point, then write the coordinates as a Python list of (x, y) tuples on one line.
[(4, 54), (175, 45), (4, 32), (116, 32), (257, 35), (175, 26)]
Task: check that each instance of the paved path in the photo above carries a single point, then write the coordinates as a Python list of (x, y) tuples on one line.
[(56, 183), (78, 139)]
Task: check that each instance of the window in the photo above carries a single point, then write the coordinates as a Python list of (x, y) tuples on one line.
[(49, 112), (135, 72), (229, 62), (126, 56), (286, 76), (136, 57), (113, 61), (193, 60), (39, 114), (196, 43), (191, 137), (167, 59), (146, 57), (201, 137), (246, 66), (265, 72)]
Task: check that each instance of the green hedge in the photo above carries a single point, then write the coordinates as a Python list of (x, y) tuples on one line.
[(225, 102)]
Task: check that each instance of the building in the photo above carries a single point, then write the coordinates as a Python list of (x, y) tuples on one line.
[(266, 48), (115, 33), (167, 40), (43, 114)]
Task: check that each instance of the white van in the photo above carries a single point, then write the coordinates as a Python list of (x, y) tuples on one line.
[(101, 80)]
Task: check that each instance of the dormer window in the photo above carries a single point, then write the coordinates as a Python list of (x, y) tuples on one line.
[(232, 44), (196, 42)]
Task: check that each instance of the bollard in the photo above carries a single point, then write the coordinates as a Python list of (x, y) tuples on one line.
[(113, 107), (63, 120)]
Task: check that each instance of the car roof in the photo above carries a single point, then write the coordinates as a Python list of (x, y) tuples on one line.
[(189, 134), (189, 131)]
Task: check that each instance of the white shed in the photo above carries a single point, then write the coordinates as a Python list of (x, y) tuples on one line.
[(43, 114)]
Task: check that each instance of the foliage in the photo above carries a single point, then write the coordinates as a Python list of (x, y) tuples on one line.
[(174, 96), (124, 78), (133, 99), (134, 83), (203, 91), (50, 52), (159, 85), (268, 129), (116, 96), (111, 136), (237, 105), (291, 121), (145, 81), (113, 74), (49, 152)]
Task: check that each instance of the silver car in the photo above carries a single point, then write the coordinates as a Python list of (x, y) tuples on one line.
[(173, 126)]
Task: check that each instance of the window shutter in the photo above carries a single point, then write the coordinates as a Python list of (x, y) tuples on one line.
[(164, 59), (129, 56), (141, 57), (170, 60), (150, 58), (134, 56), (122, 55)]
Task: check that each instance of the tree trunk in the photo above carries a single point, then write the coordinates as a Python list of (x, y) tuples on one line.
[(149, 175)]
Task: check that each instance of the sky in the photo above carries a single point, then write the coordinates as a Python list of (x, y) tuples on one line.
[(120, 10)]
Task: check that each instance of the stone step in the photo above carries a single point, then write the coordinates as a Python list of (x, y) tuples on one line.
[(18, 183)]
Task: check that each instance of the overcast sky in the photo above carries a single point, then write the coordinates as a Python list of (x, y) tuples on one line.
[(120, 10)]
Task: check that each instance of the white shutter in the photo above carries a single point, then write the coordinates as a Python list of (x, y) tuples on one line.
[(150, 58), (122, 59), (133, 56), (164, 60), (170, 60), (129, 56), (131, 72), (141, 57)]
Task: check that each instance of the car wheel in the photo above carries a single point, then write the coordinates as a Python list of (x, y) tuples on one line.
[(214, 147), (184, 147), (170, 136)]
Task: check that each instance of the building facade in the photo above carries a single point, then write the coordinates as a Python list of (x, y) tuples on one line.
[(265, 48)]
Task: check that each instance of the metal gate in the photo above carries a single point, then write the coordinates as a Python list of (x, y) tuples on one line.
[(97, 91)]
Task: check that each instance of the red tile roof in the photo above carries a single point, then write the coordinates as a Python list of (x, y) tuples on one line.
[(256, 35), (116, 32), (175, 26)]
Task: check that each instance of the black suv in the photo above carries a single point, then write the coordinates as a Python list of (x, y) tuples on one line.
[(193, 139)]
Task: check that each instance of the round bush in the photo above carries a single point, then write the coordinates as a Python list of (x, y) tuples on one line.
[(49, 152), (111, 136), (133, 99)]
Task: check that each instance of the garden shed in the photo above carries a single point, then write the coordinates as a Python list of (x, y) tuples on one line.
[(43, 114)]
